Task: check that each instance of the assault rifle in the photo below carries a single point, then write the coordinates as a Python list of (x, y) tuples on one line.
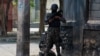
[(59, 13)]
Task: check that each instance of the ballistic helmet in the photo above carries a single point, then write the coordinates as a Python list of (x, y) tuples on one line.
[(54, 7)]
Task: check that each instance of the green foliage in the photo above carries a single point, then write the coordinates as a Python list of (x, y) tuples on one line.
[(32, 4), (16, 1)]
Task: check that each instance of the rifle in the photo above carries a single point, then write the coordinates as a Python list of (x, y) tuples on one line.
[(59, 13)]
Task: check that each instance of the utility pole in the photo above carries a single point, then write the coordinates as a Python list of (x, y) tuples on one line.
[(61, 4), (42, 15), (23, 34)]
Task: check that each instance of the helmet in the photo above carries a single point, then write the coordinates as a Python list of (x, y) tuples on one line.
[(54, 7)]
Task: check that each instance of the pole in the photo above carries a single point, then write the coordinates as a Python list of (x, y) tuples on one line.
[(23, 34)]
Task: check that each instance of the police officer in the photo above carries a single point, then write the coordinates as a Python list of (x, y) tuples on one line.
[(53, 34)]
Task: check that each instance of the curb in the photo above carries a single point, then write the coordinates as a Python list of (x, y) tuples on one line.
[(14, 39)]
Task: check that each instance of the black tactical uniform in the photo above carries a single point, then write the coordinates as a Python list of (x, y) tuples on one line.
[(53, 34)]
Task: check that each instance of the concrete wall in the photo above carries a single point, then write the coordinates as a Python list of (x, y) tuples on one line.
[(95, 9), (74, 9)]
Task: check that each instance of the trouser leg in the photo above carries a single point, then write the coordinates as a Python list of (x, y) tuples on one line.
[(58, 49), (49, 44)]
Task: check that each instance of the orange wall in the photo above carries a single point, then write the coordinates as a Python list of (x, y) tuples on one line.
[(9, 26), (9, 23)]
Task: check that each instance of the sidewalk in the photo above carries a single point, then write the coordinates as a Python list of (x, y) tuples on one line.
[(12, 36), (8, 44), (9, 49)]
